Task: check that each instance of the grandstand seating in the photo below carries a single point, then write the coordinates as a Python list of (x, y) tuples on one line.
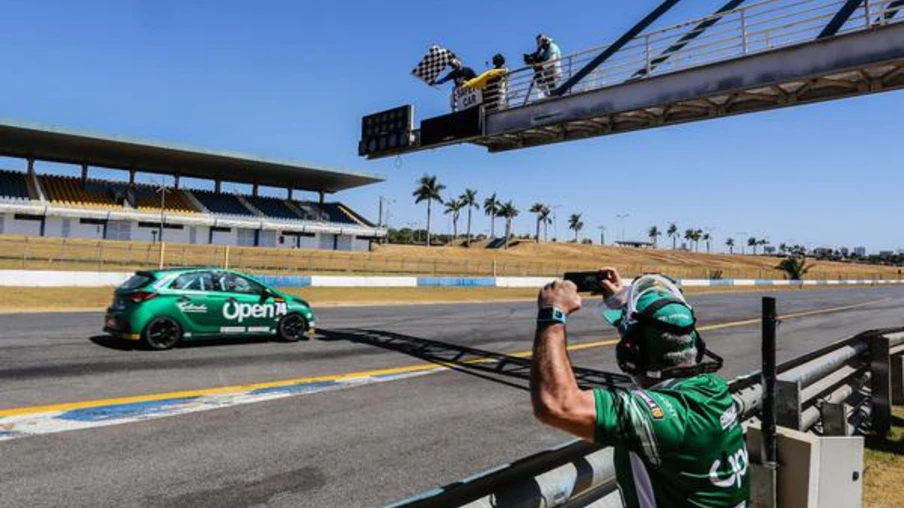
[(227, 204), (13, 186), (148, 199), (272, 207), (70, 191)]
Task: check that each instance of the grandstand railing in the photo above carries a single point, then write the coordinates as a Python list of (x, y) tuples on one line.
[(756, 28), (41, 253)]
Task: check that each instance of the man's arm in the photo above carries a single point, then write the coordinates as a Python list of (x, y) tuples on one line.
[(556, 397), (445, 78)]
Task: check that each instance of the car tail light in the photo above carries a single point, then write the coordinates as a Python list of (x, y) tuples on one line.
[(140, 296)]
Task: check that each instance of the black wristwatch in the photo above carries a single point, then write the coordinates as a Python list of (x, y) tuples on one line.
[(551, 315)]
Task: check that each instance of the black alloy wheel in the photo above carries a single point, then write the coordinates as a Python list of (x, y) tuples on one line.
[(292, 327), (161, 333)]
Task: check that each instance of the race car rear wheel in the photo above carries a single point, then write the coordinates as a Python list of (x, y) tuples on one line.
[(292, 327), (161, 333)]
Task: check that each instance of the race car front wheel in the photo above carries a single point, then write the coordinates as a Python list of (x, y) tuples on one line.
[(161, 333), (292, 327)]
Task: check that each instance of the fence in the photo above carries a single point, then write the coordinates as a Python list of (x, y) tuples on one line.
[(41, 253), (839, 390), (756, 28)]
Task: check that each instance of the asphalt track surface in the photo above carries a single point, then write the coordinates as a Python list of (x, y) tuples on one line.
[(361, 446)]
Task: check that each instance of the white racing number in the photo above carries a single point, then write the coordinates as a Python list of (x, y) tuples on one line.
[(236, 311)]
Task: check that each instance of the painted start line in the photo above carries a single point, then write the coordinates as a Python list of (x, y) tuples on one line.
[(37, 420)]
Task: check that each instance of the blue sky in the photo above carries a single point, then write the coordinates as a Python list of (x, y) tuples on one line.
[(292, 79)]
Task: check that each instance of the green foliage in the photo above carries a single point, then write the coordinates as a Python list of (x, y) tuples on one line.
[(794, 266)]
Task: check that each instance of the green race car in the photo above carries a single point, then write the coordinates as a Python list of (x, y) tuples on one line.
[(162, 307)]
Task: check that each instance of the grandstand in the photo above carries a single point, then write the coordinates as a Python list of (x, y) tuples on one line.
[(78, 206)]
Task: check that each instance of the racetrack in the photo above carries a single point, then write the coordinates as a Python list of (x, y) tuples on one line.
[(360, 446)]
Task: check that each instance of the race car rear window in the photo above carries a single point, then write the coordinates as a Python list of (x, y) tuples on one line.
[(136, 281)]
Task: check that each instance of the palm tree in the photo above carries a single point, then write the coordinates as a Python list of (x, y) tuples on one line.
[(508, 211), (575, 223), (783, 247), (706, 238), (763, 242), (730, 244), (689, 236), (454, 207), (429, 190), (469, 200), (491, 208), (751, 242), (672, 233), (654, 233), (537, 208), (546, 220)]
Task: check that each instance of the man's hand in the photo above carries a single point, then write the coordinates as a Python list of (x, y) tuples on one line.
[(611, 281), (561, 294)]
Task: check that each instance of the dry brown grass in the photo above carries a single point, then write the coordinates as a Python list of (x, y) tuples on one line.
[(29, 299), (525, 259), (884, 467)]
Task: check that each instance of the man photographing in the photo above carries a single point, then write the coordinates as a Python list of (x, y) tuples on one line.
[(676, 436)]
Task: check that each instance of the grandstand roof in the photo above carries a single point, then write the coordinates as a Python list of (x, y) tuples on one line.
[(55, 144)]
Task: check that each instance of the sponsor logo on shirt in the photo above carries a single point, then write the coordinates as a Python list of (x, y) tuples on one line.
[(235, 311), (728, 418), (655, 410), (735, 476)]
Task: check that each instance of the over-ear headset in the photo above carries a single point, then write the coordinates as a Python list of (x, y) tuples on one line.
[(631, 352)]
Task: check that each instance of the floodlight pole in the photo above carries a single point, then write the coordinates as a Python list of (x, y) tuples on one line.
[(602, 235), (622, 217)]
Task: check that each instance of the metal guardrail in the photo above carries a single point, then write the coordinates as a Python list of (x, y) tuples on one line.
[(756, 28), (842, 389)]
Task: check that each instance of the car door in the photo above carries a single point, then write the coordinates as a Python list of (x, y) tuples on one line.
[(246, 309), (201, 307)]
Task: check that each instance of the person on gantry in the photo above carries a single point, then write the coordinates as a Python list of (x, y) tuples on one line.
[(458, 75), (676, 434)]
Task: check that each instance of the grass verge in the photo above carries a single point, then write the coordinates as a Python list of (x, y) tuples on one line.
[(883, 467)]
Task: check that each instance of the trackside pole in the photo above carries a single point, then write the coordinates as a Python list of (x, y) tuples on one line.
[(768, 374)]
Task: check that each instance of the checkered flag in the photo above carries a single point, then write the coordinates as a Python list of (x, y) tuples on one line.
[(433, 63)]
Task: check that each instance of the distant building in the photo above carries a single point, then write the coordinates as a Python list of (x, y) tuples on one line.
[(845, 251), (885, 254), (860, 251), (636, 245), (769, 249)]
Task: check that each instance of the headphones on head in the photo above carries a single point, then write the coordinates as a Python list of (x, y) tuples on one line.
[(631, 351)]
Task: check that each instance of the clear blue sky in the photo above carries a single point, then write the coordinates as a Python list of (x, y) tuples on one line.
[(292, 79)]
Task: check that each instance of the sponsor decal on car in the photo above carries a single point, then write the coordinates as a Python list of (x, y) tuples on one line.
[(237, 311), (232, 329), (259, 329), (191, 308)]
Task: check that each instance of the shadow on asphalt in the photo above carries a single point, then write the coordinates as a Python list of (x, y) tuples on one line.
[(500, 368), (110, 342)]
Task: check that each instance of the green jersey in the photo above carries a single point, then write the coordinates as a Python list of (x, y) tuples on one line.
[(677, 444)]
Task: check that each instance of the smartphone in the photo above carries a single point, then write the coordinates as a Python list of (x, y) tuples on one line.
[(587, 282)]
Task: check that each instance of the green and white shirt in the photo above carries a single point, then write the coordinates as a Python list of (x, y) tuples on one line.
[(677, 444)]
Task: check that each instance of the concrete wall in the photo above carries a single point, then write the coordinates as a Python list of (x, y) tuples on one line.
[(60, 278)]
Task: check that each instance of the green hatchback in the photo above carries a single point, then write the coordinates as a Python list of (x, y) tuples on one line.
[(162, 307)]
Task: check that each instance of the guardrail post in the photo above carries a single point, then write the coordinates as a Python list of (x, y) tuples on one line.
[(880, 383), (788, 404), (897, 380), (834, 419)]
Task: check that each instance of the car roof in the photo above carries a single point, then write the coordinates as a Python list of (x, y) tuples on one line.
[(189, 269)]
